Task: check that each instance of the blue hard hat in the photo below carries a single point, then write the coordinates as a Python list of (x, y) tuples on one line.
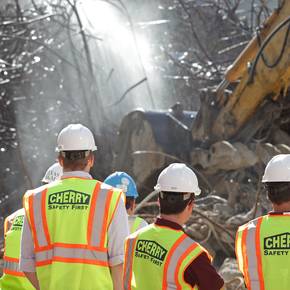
[(123, 181)]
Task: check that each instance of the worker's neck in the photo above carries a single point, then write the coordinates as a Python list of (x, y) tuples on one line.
[(72, 170), (283, 207), (130, 211), (176, 218), (86, 169)]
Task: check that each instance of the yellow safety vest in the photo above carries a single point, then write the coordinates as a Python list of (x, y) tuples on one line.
[(13, 278), (263, 252), (69, 220), (136, 225), (156, 257)]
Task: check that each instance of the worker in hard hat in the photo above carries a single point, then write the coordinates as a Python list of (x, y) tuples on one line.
[(161, 255), (263, 244), (74, 229), (125, 182), (13, 278)]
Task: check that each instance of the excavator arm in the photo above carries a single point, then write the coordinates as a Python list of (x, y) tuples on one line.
[(261, 71)]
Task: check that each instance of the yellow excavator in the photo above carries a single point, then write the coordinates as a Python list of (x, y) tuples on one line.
[(237, 128), (261, 71)]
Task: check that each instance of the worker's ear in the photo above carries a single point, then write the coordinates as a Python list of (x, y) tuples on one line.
[(60, 160), (190, 205), (91, 160), (133, 205)]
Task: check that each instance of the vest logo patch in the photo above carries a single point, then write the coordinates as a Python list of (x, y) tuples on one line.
[(277, 245), (17, 223), (69, 199), (150, 250)]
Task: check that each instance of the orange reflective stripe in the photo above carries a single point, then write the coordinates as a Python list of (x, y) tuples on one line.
[(165, 227), (76, 177), (105, 219), (26, 210), (71, 260), (43, 215), (245, 259), (166, 265), (71, 246), (78, 246), (128, 263), (44, 248), (81, 261), (92, 212), (117, 203), (208, 255), (5, 226), (13, 273), (71, 255), (37, 213), (258, 253), (98, 218), (236, 248), (43, 263), (174, 270), (182, 257), (32, 222), (10, 259), (80, 253), (11, 266)]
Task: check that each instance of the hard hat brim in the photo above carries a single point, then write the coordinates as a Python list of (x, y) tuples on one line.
[(95, 148), (158, 188)]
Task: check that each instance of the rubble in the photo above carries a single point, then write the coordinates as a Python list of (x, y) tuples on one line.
[(231, 274)]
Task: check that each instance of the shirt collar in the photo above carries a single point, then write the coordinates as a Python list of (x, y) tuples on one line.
[(81, 174), (279, 213), (166, 223)]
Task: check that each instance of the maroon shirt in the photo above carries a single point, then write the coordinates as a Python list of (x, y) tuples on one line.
[(200, 272)]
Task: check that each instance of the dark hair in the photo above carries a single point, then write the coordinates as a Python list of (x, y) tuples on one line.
[(278, 192), (129, 202), (75, 160), (173, 202)]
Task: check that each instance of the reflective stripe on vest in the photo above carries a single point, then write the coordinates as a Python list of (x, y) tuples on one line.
[(11, 267), (178, 252), (174, 266), (128, 264), (71, 255)]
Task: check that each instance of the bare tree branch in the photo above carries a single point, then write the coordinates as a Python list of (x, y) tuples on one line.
[(127, 92)]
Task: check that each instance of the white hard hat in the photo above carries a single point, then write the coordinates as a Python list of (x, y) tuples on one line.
[(75, 137), (54, 172), (177, 177), (278, 169)]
